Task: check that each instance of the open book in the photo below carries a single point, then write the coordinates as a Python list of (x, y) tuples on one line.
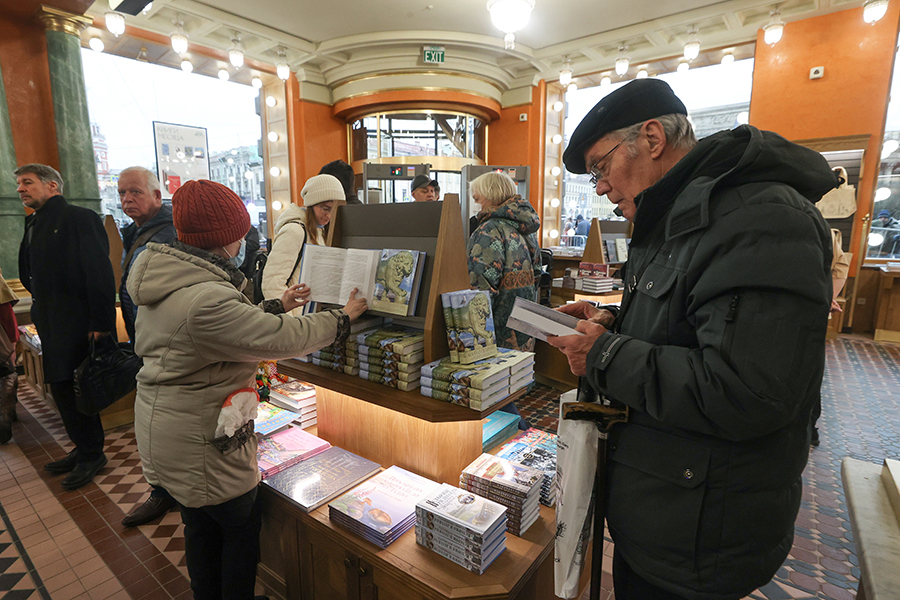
[(540, 321), (388, 279)]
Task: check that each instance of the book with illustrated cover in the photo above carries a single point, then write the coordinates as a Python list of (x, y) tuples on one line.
[(388, 279), (270, 418), (285, 448), (293, 394), (406, 386), (532, 451), (384, 507), (316, 480), (450, 325), (505, 474), (369, 371), (496, 427), (481, 374), (474, 323), (449, 509), (458, 399), (377, 354), (464, 390), (395, 339), (397, 282)]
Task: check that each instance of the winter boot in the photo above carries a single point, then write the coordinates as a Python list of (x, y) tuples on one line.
[(9, 387)]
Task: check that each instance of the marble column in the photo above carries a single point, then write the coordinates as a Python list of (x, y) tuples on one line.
[(12, 216), (70, 111)]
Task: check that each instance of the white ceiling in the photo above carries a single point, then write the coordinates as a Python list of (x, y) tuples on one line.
[(331, 43)]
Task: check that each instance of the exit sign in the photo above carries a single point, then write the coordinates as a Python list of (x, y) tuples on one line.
[(433, 54)]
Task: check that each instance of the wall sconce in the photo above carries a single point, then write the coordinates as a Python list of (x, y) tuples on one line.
[(554, 233), (282, 69), (775, 29), (274, 171), (558, 106), (256, 82), (276, 205), (555, 171), (622, 61), (554, 203), (556, 139), (273, 136)]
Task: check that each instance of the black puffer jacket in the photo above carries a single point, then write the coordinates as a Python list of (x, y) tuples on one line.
[(719, 351)]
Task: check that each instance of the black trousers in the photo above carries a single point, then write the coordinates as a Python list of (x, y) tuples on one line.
[(221, 547), (84, 431), (629, 585)]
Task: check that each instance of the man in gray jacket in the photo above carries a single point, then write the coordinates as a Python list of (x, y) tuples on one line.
[(717, 349)]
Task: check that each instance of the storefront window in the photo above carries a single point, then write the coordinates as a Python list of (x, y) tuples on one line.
[(418, 134), (884, 234)]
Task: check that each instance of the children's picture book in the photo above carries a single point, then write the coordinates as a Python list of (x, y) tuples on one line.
[(293, 394), (285, 448), (474, 323), (388, 279), (271, 418), (322, 477)]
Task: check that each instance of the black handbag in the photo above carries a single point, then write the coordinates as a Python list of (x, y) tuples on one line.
[(106, 375)]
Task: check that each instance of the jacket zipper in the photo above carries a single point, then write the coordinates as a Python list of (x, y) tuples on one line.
[(732, 310), (728, 338)]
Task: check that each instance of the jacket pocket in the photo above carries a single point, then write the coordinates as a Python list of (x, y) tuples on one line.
[(657, 486), (656, 281)]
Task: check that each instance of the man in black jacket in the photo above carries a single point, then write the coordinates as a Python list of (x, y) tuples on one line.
[(717, 349), (64, 263)]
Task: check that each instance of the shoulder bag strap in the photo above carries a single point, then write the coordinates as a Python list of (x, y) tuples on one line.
[(299, 257), (141, 241)]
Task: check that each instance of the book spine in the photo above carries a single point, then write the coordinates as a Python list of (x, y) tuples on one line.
[(490, 491), (439, 524), (451, 327), (456, 539), (462, 553), (475, 568)]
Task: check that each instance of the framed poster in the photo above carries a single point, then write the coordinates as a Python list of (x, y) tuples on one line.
[(182, 154)]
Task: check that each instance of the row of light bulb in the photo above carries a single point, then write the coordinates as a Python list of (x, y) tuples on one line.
[(115, 24)]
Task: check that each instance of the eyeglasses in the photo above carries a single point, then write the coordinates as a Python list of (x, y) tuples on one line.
[(597, 174)]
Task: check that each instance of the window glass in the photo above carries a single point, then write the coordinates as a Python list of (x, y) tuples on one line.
[(417, 134), (884, 235)]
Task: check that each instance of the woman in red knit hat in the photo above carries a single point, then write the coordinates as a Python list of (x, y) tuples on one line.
[(201, 339)]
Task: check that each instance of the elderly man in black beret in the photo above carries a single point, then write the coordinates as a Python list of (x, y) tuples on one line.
[(717, 349)]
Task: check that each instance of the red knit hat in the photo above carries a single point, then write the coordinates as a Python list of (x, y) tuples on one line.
[(208, 215)]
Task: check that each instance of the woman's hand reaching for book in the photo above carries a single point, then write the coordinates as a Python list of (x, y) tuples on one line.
[(355, 306), (295, 296)]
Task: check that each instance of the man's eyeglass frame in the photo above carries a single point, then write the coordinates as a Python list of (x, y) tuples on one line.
[(596, 174)]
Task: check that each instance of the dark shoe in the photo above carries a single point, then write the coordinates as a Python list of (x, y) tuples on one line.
[(5, 429), (814, 440), (84, 473), (64, 465), (150, 510)]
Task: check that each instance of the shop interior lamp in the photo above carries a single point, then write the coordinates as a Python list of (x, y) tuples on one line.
[(179, 38), (683, 66), (623, 61), (605, 81), (223, 75), (642, 73), (256, 82), (115, 23), (692, 47), (282, 69), (565, 74), (236, 53), (727, 58), (873, 10), (96, 44), (775, 29), (187, 66), (509, 16)]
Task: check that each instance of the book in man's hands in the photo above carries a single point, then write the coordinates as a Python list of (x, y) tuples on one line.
[(389, 279), (540, 321)]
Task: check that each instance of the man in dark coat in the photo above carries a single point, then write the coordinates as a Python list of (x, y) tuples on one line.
[(141, 200), (64, 263), (717, 349)]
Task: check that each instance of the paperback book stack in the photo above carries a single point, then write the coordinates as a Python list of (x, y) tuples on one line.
[(392, 356), (343, 357), (496, 427), (322, 477), (515, 486), (470, 325), (462, 527), (286, 448), (481, 384), (297, 397), (382, 508), (597, 285), (536, 449)]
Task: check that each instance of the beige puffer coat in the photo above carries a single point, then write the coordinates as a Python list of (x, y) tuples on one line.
[(290, 235), (201, 340)]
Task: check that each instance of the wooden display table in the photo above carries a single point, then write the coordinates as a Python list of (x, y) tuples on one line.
[(887, 307)]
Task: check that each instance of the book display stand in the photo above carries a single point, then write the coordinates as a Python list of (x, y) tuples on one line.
[(306, 555)]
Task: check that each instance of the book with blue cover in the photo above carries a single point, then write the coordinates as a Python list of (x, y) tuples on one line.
[(271, 418), (496, 427)]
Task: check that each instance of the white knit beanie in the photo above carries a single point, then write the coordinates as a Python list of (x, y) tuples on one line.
[(321, 188)]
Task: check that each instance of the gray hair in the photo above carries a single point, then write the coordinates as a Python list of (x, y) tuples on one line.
[(494, 188), (152, 179), (43, 172), (678, 130)]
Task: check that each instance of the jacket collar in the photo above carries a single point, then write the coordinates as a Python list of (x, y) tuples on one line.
[(235, 277)]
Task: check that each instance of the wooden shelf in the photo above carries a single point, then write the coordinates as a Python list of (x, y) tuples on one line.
[(411, 403)]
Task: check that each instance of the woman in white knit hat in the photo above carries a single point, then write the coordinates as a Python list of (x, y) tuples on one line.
[(298, 225)]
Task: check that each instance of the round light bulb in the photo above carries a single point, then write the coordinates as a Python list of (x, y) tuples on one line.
[(876, 239), (147, 8), (873, 10), (274, 171), (96, 44), (743, 117), (683, 66), (256, 82), (230, 161), (772, 33), (605, 81), (642, 74), (692, 50), (179, 42), (115, 23), (727, 58), (572, 87), (888, 148), (554, 233), (882, 193), (187, 66), (554, 203), (223, 75), (276, 205), (273, 136), (248, 175), (565, 76), (271, 101), (283, 70), (556, 139), (555, 171), (558, 105)]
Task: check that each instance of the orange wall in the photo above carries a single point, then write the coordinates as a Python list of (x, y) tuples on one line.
[(515, 142), (852, 97), (26, 76), (316, 138)]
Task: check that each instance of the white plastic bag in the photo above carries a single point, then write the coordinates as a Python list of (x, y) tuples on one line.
[(576, 464)]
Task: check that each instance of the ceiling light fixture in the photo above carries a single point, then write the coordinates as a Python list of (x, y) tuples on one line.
[(147, 8), (873, 10), (96, 44), (236, 52), (565, 74), (509, 16), (281, 67), (775, 29), (179, 38), (223, 75), (642, 73), (187, 66), (692, 47), (683, 66), (256, 82), (727, 58), (115, 23), (605, 81), (622, 61)]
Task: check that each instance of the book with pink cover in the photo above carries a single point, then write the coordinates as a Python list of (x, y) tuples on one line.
[(286, 448)]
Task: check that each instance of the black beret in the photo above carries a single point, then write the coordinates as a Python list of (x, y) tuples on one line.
[(420, 181), (639, 101)]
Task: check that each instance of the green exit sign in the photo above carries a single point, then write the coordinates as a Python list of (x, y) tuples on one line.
[(433, 54)]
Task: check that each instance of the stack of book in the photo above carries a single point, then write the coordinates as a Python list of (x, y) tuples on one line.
[(597, 285), (382, 508), (586, 269), (297, 397), (470, 325), (343, 357), (515, 486), (536, 449), (271, 418), (391, 356), (481, 384), (462, 527), (322, 477), (286, 448), (496, 427)]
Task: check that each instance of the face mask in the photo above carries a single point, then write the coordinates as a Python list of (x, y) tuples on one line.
[(238, 260)]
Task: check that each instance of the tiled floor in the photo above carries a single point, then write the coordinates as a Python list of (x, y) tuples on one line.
[(61, 545)]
